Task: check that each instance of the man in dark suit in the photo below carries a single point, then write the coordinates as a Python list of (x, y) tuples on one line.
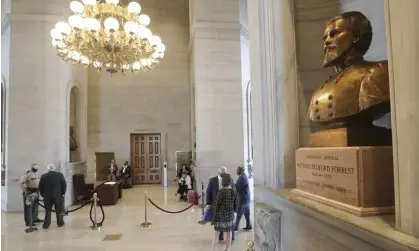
[(213, 187), (125, 175), (243, 192), (52, 187)]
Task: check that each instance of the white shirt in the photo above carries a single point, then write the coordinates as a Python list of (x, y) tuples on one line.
[(187, 180), (220, 182), (123, 168)]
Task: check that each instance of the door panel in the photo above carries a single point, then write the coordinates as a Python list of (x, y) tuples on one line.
[(146, 158), (103, 159)]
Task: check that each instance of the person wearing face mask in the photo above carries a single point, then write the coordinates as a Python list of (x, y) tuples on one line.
[(29, 184)]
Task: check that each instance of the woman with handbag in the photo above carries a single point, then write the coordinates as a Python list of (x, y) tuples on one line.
[(223, 211)]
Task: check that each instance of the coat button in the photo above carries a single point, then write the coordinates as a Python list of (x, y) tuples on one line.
[(330, 114), (317, 102), (330, 97), (329, 105), (316, 110), (318, 117)]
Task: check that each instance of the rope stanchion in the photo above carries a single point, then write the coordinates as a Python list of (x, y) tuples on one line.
[(64, 213), (171, 212), (94, 207), (145, 224), (203, 198), (250, 245)]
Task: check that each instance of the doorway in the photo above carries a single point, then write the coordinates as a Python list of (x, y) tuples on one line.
[(103, 159), (146, 158)]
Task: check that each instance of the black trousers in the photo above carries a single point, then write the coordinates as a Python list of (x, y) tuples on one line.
[(58, 204), (182, 190)]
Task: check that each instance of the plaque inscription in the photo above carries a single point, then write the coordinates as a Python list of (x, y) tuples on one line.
[(330, 173)]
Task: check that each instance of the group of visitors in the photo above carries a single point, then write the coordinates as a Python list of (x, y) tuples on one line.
[(51, 186), (124, 174), (227, 199)]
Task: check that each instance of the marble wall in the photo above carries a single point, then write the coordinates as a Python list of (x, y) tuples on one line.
[(36, 115), (217, 78), (287, 225), (154, 102)]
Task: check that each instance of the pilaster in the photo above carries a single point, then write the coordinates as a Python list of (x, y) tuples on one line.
[(216, 63), (402, 24), (274, 91)]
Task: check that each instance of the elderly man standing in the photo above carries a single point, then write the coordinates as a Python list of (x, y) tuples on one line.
[(52, 187), (214, 185), (243, 192), (113, 170), (29, 185)]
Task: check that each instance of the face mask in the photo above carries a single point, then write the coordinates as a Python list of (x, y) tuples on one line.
[(34, 170)]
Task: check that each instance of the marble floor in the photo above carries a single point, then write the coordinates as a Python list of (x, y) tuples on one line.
[(169, 231)]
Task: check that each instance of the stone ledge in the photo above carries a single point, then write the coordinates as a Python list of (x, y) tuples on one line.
[(378, 230)]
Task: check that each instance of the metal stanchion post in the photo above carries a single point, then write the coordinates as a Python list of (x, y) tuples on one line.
[(95, 226), (203, 198), (250, 245), (145, 224)]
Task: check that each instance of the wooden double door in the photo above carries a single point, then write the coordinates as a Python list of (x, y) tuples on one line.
[(146, 158)]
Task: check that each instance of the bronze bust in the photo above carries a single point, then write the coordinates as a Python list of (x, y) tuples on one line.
[(358, 93)]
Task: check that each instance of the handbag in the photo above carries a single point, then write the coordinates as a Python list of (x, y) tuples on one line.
[(208, 214)]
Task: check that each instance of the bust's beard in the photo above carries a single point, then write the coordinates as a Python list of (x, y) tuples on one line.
[(333, 57)]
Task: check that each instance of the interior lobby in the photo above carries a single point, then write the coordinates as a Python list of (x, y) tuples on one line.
[(220, 83)]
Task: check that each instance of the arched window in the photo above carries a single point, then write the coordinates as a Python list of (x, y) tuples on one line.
[(249, 129)]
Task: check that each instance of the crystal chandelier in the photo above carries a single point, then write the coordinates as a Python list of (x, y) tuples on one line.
[(105, 34)]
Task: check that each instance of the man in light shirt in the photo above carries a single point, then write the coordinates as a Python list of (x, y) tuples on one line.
[(113, 170)]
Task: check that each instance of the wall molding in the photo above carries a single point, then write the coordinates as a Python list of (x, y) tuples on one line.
[(268, 227)]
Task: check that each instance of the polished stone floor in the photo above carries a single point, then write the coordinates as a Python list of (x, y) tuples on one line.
[(169, 231)]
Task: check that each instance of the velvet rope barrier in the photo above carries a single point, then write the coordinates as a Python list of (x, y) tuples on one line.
[(64, 212), (171, 212)]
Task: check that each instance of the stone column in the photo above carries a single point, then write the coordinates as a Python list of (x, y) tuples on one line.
[(38, 95), (216, 76), (402, 24), (274, 91)]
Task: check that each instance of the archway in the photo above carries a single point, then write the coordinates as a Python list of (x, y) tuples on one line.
[(74, 151)]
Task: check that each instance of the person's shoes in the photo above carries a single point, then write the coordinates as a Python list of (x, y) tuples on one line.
[(38, 221), (220, 239), (236, 229), (248, 228), (61, 225), (45, 227)]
